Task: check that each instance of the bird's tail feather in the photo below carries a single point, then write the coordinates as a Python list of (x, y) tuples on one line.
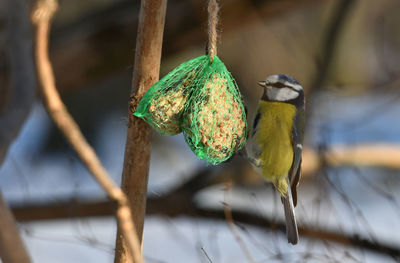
[(290, 218)]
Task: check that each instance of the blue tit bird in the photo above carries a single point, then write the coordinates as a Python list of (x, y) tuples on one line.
[(276, 141)]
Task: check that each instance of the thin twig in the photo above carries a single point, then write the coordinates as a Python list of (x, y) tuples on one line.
[(41, 17), (231, 224), (205, 253)]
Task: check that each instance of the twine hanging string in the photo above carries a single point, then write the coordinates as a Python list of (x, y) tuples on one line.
[(213, 9)]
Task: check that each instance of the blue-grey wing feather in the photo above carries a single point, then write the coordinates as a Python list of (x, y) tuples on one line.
[(297, 143)]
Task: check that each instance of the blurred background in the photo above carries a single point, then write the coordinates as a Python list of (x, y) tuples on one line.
[(345, 53)]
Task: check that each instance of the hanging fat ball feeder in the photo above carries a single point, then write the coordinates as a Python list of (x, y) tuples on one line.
[(200, 98), (163, 104), (214, 123)]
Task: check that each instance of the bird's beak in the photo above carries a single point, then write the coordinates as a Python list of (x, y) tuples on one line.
[(262, 83)]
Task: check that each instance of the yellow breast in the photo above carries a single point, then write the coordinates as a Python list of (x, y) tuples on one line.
[(274, 137)]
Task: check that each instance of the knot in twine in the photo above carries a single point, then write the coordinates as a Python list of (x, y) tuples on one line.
[(213, 9)]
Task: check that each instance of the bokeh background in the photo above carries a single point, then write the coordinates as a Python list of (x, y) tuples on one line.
[(345, 53)]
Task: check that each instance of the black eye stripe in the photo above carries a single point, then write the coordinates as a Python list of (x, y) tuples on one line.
[(280, 85)]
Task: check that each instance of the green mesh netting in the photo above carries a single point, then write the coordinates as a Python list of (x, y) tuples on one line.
[(201, 99), (163, 104), (214, 121)]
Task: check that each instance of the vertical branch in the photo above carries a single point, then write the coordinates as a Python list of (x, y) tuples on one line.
[(138, 147), (12, 248), (41, 17)]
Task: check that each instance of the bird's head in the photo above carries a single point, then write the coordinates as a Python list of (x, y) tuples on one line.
[(282, 88)]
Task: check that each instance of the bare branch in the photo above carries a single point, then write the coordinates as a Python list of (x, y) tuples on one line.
[(185, 194), (137, 148), (205, 253), (164, 206), (374, 154), (12, 249), (41, 16)]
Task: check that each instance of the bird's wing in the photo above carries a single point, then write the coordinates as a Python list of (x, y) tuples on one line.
[(297, 143), (294, 183), (255, 123)]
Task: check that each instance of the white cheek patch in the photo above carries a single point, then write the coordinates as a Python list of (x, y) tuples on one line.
[(281, 94)]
